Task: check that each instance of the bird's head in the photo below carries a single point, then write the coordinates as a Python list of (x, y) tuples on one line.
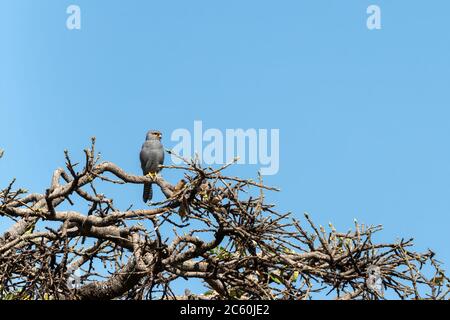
[(154, 135)]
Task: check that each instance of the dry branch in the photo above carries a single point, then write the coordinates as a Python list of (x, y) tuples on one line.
[(223, 232)]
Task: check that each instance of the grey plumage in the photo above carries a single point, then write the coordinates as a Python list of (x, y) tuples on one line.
[(152, 155)]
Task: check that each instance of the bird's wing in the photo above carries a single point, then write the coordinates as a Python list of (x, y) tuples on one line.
[(152, 155), (144, 156)]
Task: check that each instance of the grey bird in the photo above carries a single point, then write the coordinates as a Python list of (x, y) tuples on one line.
[(152, 156)]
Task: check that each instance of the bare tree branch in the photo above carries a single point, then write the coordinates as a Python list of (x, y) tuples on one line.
[(223, 232)]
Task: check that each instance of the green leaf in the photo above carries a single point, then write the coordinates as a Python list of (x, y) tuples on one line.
[(295, 276), (275, 278), (209, 293)]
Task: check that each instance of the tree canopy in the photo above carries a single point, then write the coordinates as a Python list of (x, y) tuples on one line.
[(210, 226)]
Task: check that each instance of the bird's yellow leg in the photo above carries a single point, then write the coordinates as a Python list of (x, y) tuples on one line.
[(152, 175)]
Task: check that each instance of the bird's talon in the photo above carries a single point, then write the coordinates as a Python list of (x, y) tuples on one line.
[(152, 175)]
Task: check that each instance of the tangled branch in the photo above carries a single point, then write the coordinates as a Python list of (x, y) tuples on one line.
[(210, 226)]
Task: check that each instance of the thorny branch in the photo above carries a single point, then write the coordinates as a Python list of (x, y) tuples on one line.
[(210, 226)]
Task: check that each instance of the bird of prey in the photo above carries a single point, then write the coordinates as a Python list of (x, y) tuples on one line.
[(152, 156)]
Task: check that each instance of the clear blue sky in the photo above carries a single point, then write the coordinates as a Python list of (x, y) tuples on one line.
[(364, 116)]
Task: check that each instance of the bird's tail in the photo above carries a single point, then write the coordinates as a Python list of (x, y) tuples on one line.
[(148, 192)]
